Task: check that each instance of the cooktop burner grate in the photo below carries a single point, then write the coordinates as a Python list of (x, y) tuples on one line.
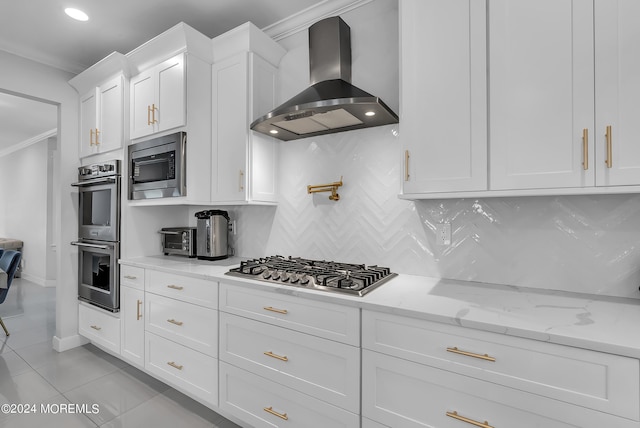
[(349, 278)]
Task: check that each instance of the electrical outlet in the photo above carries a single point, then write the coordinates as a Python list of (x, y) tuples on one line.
[(232, 227), (443, 233)]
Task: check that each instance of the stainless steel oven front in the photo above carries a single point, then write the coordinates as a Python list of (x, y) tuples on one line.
[(99, 201), (98, 273)]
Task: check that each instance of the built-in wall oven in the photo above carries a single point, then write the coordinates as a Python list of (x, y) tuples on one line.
[(99, 234), (157, 167)]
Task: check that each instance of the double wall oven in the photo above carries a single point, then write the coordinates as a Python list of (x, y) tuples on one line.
[(99, 234)]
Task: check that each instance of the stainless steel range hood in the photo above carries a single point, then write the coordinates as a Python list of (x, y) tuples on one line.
[(331, 104)]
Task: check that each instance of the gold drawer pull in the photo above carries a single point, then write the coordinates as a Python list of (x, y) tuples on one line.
[(139, 312), (174, 365), (276, 356), (280, 311), (273, 412), (131, 277), (455, 415), (172, 321), (95, 327), (470, 354), (406, 165), (175, 287)]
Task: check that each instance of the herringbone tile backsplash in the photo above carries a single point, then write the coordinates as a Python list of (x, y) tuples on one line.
[(587, 244)]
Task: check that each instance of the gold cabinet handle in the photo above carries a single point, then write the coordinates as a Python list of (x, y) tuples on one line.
[(271, 309), (178, 323), (95, 327), (406, 165), (455, 415), (241, 181), (174, 365), (131, 277), (91, 137), (273, 412), (471, 354), (276, 356), (175, 287), (609, 160), (97, 141), (139, 312), (148, 115), (585, 149), (153, 113)]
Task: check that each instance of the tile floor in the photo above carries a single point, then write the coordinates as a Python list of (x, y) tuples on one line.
[(32, 373)]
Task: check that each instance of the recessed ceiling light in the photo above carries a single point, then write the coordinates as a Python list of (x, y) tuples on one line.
[(76, 14), (370, 113), (273, 131)]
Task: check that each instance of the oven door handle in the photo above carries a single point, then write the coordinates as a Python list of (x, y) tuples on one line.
[(94, 181), (167, 232), (84, 244)]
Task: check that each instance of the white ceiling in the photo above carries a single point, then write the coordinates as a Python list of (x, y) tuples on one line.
[(40, 30)]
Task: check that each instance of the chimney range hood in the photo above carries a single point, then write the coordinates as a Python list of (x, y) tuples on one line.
[(331, 104)]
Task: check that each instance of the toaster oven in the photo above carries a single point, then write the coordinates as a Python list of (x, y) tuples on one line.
[(179, 241)]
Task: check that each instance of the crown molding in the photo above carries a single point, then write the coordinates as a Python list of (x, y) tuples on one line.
[(26, 143), (302, 20)]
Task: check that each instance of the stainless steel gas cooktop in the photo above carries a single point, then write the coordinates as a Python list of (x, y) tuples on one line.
[(348, 278)]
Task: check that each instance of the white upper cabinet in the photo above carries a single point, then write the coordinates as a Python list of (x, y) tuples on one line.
[(443, 104), (158, 98), (103, 91), (617, 74), (541, 93), (243, 88)]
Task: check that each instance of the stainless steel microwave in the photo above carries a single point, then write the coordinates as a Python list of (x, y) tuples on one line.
[(157, 167)]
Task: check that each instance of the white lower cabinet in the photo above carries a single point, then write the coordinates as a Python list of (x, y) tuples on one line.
[(287, 360), (401, 393), (132, 325), (327, 370), (191, 371), (99, 326), (417, 373), (264, 403), (190, 325)]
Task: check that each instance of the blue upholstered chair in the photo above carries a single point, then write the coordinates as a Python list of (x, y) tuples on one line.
[(9, 261)]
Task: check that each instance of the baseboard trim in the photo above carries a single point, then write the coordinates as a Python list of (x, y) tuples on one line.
[(70, 342)]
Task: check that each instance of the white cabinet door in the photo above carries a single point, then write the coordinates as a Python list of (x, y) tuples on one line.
[(171, 94), (142, 102), (158, 98), (110, 115), (132, 332), (617, 77), (541, 93), (88, 122), (443, 95), (244, 162)]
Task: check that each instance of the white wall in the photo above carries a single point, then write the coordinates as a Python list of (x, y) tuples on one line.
[(24, 206), (22, 76)]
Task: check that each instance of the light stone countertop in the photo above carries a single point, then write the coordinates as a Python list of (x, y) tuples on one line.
[(585, 321)]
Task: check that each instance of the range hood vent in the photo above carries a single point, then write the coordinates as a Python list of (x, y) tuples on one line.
[(331, 104)]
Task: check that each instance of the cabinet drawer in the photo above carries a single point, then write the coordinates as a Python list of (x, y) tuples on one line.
[(191, 371), (263, 403), (100, 327), (401, 393), (328, 320), (587, 378), (132, 276), (185, 323), (193, 290), (319, 367)]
